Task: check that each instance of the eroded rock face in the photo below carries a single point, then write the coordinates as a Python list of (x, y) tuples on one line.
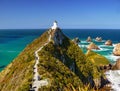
[(98, 39), (76, 40), (116, 50), (57, 36), (108, 42), (89, 39), (117, 64), (92, 46)]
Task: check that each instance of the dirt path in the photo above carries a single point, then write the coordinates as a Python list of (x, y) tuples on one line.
[(37, 82)]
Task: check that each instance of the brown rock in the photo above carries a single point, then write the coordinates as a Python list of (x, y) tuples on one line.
[(57, 36), (117, 64), (108, 42), (76, 40), (98, 39), (92, 46), (116, 50), (89, 39)]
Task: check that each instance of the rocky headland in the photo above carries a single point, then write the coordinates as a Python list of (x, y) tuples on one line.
[(59, 62)]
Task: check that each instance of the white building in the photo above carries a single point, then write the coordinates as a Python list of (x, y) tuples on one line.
[(54, 25)]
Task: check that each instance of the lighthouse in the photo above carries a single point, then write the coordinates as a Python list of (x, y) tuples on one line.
[(54, 25)]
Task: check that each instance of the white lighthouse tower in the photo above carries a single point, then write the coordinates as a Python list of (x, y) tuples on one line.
[(54, 25)]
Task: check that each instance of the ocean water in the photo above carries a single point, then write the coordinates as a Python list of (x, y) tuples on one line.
[(13, 41), (106, 34), (106, 51)]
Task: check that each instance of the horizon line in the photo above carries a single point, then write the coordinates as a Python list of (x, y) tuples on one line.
[(61, 28)]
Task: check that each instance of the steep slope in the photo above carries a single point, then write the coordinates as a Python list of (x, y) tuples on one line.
[(66, 52), (17, 76), (53, 60), (37, 82), (61, 62)]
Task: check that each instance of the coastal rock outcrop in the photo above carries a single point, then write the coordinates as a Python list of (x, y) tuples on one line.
[(76, 40), (108, 42), (116, 50), (92, 46), (89, 39), (117, 65), (98, 39)]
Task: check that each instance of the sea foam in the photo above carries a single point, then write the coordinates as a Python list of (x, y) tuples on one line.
[(114, 78), (112, 57)]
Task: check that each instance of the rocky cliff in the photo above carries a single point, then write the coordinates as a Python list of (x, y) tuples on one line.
[(116, 50), (117, 65)]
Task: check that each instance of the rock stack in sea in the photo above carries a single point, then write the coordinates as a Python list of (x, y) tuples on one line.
[(98, 39), (108, 42), (76, 40), (89, 39), (92, 46), (116, 50)]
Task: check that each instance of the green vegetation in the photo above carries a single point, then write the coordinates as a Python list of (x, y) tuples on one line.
[(17, 76), (52, 68), (84, 88), (97, 59), (65, 67)]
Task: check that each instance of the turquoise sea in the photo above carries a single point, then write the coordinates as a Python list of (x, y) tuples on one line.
[(13, 41)]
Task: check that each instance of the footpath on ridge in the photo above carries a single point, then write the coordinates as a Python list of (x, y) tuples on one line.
[(37, 83)]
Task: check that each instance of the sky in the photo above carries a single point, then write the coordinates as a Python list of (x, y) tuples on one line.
[(82, 14)]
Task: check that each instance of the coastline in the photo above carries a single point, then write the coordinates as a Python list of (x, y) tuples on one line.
[(16, 40), (102, 48)]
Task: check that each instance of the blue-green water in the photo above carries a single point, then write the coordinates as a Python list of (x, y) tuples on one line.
[(13, 41), (106, 51)]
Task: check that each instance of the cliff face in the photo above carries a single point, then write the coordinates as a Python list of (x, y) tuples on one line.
[(117, 65), (61, 62), (57, 36), (116, 50)]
